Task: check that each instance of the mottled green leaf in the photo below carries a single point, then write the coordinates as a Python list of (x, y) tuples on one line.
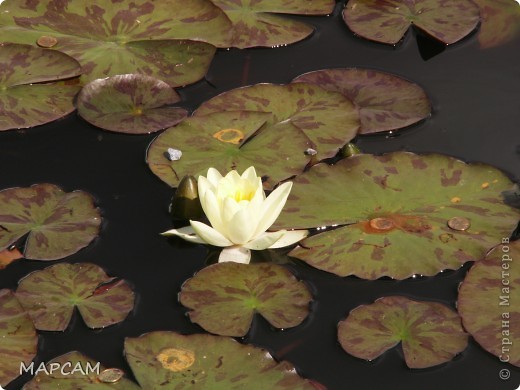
[(398, 208), (224, 297), (79, 373), (18, 337), (230, 140), (201, 361), (254, 22), (58, 224), (430, 333), (387, 21), (25, 103), (327, 118), (500, 22), (385, 101), (130, 103), (164, 39), (50, 296), (489, 302)]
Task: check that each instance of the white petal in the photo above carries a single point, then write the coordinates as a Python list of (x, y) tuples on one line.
[(250, 175), (265, 240), (255, 205), (210, 235), (186, 233), (214, 176), (238, 254), (273, 206), (229, 208), (241, 227), (212, 210), (290, 237), (204, 185)]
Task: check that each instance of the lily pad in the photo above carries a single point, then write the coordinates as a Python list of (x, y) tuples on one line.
[(58, 224), (489, 302), (448, 21), (255, 23), (130, 103), (19, 338), (7, 256), (430, 333), (50, 296), (398, 226), (79, 372), (327, 118), (164, 39), (385, 101), (230, 140), (202, 361), (24, 101), (224, 297), (500, 22)]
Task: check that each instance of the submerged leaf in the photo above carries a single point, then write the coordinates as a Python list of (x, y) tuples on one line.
[(51, 295), (327, 118), (79, 372), (227, 141), (224, 297), (164, 39), (398, 226), (385, 101), (430, 332), (130, 103), (500, 22), (19, 338), (7, 256), (58, 224), (387, 21), (201, 361), (255, 23), (489, 302), (25, 103)]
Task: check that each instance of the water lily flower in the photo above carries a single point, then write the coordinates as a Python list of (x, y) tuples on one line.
[(240, 214)]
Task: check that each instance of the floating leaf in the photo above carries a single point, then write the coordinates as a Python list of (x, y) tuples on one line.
[(79, 372), (58, 224), (500, 22), (25, 103), (398, 226), (156, 38), (255, 23), (387, 22), (224, 297), (430, 332), (19, 339), (489, 302), (230, 140), (130, 103), (327, 118), (51, 295), (7, 256), (202, 361), (385, 101)]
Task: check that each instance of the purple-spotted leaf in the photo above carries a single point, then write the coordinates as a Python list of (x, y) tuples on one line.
[(224, 297), (500, 22), (385, 101), (19, 338), (230, 140), (50, 296), (398, 225), (430, 333), (327, 118), (73, 371), (387, 21), (23, 101), (255, 23), (164, 39), (130, 103), (201, 361), (489, 302), (58, 224)]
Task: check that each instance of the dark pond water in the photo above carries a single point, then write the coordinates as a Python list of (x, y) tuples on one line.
[(476, 117)]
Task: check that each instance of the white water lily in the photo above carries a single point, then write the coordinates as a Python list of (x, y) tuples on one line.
[(240, 214)]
